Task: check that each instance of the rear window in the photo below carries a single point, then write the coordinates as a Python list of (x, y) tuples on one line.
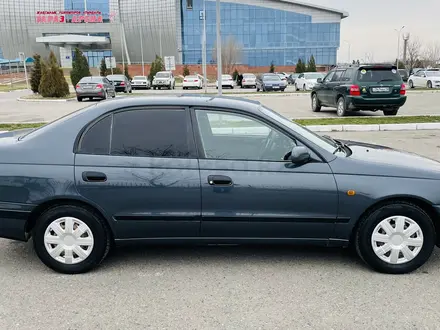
[(139, 78), (377, 75), (116, 77), (162, 74), (248, 76), (271, 78), (91, 79)]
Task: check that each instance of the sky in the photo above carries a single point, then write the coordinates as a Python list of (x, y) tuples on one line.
[(370, 27)]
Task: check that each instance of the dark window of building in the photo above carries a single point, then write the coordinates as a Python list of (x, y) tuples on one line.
[(189, 4), (150, 133), (96, 140)]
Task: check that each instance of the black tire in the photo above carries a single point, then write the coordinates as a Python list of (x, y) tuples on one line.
[(131, 90), (429, 84), (316, 105), (411, 84), (341, 107), (296, 88), (99, 229), (392, 112), (105, 96), (395, 208), (258, 89), (79, 99), (154, 87)]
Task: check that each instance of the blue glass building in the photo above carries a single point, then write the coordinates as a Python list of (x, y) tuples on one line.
[(266, 30)]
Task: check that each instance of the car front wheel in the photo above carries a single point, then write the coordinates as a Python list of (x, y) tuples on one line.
[(396, 238), (71, 239), (429, 84), (411, 84), (316, 105)]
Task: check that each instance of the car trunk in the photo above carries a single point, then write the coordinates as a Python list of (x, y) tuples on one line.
[(88, 85), (379, 82)]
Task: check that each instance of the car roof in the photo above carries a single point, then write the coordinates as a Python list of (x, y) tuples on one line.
[(92, 77)]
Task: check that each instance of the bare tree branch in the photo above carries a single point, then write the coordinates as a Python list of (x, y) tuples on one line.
[(231, 54), (431, 55), (413, 52)]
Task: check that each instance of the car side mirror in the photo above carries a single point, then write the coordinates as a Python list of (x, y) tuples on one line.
[(300, 155), (319, 80)]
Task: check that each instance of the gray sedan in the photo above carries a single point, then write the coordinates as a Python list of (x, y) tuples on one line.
[(94, 87), (186, 169)]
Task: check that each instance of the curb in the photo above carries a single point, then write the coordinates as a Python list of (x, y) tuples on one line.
[(374, 127), (36, 100)]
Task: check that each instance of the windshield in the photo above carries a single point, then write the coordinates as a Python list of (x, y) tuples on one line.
[(248, 76), (139, 78), (116, 77), (313, 75), (162, 75), (91, 79), (378, 75), (301, 130), (271, 78), (432, 73)]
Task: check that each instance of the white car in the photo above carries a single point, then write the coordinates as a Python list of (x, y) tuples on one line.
[(192, 82), (164, 79), (307, 80), (249, 80), (227, 81), (283, 79), (140, 82), (425, 78)]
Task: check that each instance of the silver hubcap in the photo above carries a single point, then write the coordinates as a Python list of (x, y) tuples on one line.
[(397, 240), (340, 107), (314, 102), (68, 240)]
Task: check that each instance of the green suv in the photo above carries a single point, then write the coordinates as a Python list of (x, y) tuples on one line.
[(360, 87)]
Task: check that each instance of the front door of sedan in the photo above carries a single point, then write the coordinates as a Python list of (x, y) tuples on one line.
[(140, 168), (250, 191)]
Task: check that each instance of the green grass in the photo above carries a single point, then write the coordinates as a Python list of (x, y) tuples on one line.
[(369, 120), (178, 80), (7, 88), (39, 97), (10, 127)]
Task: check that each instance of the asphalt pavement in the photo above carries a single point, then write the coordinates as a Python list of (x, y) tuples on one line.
[(225, 287), (291, 105)]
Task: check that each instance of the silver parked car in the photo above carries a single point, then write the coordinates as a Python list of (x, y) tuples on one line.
[(139, 82), (94, 86)]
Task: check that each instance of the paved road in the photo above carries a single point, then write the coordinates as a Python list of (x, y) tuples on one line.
[(292, 106), (224, 287)]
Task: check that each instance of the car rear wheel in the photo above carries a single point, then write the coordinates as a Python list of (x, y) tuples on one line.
[(104, 97), (296, 88), (391, 112), (341, 109), (316, 105), (396, 238), (411, 84), (71, 239), (79, 99), (429, 84), (304, 87)]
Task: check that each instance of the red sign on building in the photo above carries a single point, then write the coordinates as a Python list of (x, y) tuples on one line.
[(89, 16)]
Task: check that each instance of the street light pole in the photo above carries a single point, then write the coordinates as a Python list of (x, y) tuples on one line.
[(398, 44), (205, 80), (219, 48), (142, 51)]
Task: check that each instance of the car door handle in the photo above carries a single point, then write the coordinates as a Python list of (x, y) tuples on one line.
[(219, 180), (94, 177)]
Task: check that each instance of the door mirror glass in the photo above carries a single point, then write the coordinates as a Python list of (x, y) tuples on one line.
[(300, 155), (319, 80)]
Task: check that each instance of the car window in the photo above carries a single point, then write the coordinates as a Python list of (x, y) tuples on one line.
[(301, 76), (91, 80), (162, 75), (150, 133), (348, 75), (378, 75), (96, 139), (238, 137), (107, 81), (329, 76), (338, 75)]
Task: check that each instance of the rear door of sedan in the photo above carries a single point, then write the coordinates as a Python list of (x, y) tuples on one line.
[(139, 166), (249, 191)]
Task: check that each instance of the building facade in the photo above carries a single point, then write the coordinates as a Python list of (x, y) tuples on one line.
[(281, 31)]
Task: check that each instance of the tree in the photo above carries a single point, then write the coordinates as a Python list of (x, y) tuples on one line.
[(431, 55), (103, 68), (36, 74), (126, 72), (80, 67), (413, 52), (311, 65), (401, 64), (300, 66), (231, 54), (53, 83), (235, 75), (272, 67), (185, 71), (156, 66)]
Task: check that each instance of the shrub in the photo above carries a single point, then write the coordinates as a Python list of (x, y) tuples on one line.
[(80, 67), (272, 67), (36, 74), (185, 71), (53, 83), (311, 66), (103, 68), (126, 72), (156, 66)]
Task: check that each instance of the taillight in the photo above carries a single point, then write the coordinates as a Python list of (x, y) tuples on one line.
[(99, 86), (355, 90), (196, 80), (184, 80), (122, 83), (244, 80), (77, 86), (403, 89)]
